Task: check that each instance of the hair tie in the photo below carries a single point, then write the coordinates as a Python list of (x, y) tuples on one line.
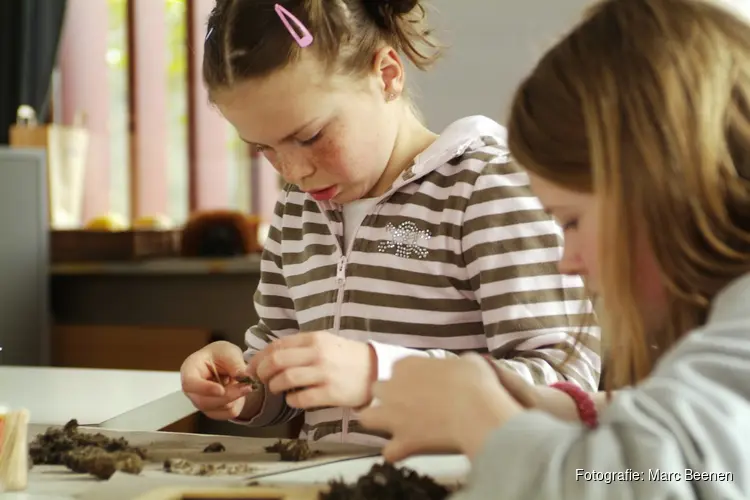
[(400, 7)]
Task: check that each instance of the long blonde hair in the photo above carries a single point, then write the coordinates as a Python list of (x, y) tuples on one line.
[(646, 103)]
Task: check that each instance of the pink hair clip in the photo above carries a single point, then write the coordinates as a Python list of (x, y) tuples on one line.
[(306, 38)]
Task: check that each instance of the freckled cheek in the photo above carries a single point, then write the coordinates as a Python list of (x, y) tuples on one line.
[(333, 159), (282, 163)]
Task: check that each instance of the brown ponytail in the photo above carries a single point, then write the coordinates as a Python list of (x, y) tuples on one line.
[(245, 38), (403, 22)]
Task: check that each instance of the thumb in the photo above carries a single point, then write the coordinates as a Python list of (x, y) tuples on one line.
[(396, 450), (228, 357)]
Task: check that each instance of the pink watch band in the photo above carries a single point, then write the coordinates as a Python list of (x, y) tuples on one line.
[(585, 405)]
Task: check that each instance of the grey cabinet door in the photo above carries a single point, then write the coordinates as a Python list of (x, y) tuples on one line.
[(24, 258)]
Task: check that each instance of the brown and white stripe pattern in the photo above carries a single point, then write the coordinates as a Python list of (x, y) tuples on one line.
[(459, 256)]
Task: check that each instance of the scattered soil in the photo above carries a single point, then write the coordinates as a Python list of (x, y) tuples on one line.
[(247, 380), (293, 450), (84, 452), (102, 464), (186, 467), (386, 482), (216, 447)]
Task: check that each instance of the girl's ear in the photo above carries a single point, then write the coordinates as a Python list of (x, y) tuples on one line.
[(389, 69)]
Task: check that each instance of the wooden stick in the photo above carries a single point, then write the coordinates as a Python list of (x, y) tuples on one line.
[(14, 453), (216, 373)]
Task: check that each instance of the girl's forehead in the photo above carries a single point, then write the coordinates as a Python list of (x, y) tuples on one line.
[(548, 192), (266, 109), (556, 198)]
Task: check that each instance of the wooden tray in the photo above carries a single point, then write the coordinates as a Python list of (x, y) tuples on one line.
[(249, 493), (80, 245), (161, 446)]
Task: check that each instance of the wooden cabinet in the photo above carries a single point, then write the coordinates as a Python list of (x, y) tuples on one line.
[(125, 347), (128, 348)]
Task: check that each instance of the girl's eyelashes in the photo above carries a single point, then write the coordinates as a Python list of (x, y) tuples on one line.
[(312, 140), (259, 148), (569, 225)]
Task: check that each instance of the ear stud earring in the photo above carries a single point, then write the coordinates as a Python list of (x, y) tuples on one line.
[(390, 96)]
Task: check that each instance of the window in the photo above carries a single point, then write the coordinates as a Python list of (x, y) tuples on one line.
[(240, 170), (117, 85), (177, 110), (158, 146)]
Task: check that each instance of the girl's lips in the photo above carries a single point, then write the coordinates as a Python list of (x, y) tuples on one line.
[(324, 194)]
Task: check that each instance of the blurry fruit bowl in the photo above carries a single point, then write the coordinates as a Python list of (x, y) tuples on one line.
[(110, 238), (115, 222), (107, 222), (153, 222)]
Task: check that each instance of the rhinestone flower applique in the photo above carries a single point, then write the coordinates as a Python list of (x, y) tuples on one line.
[(405, 239)]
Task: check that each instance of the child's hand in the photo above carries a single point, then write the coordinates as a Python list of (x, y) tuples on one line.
[(320, 368), (207, 394), (438, 405)]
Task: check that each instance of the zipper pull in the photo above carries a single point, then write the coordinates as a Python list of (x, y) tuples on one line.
[(341, 270)]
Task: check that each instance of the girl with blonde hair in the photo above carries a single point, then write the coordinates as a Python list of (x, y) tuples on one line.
[(635, 129)]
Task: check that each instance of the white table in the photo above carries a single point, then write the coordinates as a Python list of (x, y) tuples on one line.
[(48, 485), (113, 399), (57, 483), (446, 467)]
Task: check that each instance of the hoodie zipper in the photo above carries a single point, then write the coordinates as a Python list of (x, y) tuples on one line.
[(341, 283), (340, 286)]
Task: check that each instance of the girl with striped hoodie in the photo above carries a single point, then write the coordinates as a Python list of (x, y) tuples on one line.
[(388, 240)]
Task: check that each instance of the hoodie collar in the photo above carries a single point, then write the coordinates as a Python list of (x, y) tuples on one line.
[(452, 143)]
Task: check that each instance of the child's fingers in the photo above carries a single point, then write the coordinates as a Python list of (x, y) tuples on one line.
[(311, 397), (212, 404), (226, 412), (207, 403), (228, 361), (307, 340), (375, 417), (202, 372), (294, 378), (278, 360), (397, 450), (199, 381), (236, 391)]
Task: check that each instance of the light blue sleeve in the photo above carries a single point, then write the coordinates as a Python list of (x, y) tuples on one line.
[(689, 420)]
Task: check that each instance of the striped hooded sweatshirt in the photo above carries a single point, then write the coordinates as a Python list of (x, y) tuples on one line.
[(457, 256)]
